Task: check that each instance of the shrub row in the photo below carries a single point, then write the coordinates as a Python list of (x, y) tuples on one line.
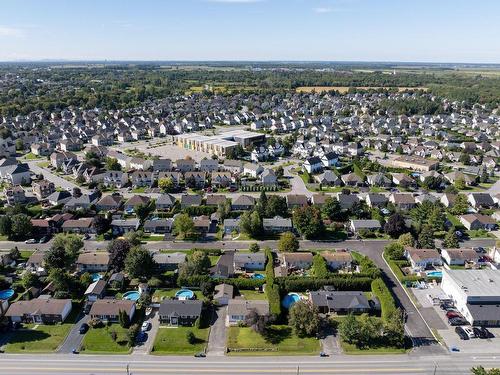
[(248, 284), (384, 295), (208, 251), (288, 284)]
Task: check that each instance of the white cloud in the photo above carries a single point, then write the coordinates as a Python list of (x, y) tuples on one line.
[(322, 10), (7, 31)]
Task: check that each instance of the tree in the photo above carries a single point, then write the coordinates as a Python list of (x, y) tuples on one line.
[(460, 206), (14, 253), (166, 184), (132, 333), (332, 209), (197, 263), (93, 159), (426, 238), (261, 205), (369, 331), (254, 247), (484, 176), (394, 329), (207, 288), (276, 206), (482, 371), (464, 158), (348, 329), (21, 226), (251, 223), (29, 279), (101, 224), (71, 243), (118, 250), (5, 225), (139, 263), (113, 165), (60, 279), (394, 251), (395, 225), (255, 321), (319, 267), (450, 241), (436, 219), (123, 319), (432, 183), (142, 211), (308, 222), (304, 319), (406, 240), (460, 183), (19, 144), (288, 242), (183, 226), (55, 258)]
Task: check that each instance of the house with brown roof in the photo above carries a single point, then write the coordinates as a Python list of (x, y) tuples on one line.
[(97, 261), (243, 203), (135, 200), (458, 257), (300, 261), (109, 203), (83, 225), (42, 310), (478, 221), (238, 310), (338, 259), (296, 200), (423, 258), (108, 310), (403, 201), (215, 199)]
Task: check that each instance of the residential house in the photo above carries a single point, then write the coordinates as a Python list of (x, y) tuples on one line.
[(369, 224), (340, 302), (299, 261), (268, 177), (313, 165), (91, 262), (253, 170), (478, 221), (336, 260), (95, 291), (249, 261), (123, 226), (209, 165), (238, 310), (328, 178), (195, 179), (134, 201), (108, 310), (223, 179), (169, 261), (41, 310), (231, 225), (43, 188), (165, 202), (83, 225), (141, 179), (158, 226), (109, 203), (480, 200), (376, 200), (190, 200), (185, 165), (458, 257), (423, 258), (180, 312), (215, 200), (243, 203), (115, 179), (223, 293), (15, 195), (330, 159), (403, 201), (277, 224), (296, 200), (352, 179)]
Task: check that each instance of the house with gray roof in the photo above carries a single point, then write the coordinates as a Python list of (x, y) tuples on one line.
[(169, 261), (179, 312), (277, 224), (340, 302)]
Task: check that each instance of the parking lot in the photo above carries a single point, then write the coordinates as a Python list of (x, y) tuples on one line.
[(437, 320)]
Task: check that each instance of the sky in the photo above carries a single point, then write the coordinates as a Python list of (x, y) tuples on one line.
[(252, 30)]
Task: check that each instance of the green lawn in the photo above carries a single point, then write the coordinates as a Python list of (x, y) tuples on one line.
[(31, 156), (279, 340), (213, 259), (139, 190), (160, 294), (174, 341), (100, 340), (352, 349), (152, 238), (479, 233), (40, 338), (454, 221), (252, 295)]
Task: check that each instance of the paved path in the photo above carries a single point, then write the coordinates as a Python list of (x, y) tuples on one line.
[(145, 347), (218, 333)]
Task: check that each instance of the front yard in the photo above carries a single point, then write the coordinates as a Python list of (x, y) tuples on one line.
[(278, 340), (101, 340), (353, 349), (39, 338), (174, 341)]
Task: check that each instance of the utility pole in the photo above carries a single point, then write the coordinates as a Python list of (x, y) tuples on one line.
[(435, 368), (128, 369), (298, 370)]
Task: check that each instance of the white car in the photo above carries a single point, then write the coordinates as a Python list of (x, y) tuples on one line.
[(145, 326), (30, 241), (469, 331)]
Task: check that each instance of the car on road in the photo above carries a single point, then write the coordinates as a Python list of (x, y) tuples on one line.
[(145, 326), (75, 351), (200, 355), (84, 328), (31, 241), (469, 331), (482, 332), (454, 349), (44, 239), (323, 354)]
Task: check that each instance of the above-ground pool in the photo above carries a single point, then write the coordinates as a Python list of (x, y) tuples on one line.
[(132, 295), (6, 294), (289, 300), (258, 276), (96, 277), (435, 274), (184, 294)]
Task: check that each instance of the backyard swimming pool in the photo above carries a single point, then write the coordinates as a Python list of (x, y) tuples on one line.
[(6, 294), (132, 295), (289, 300), (435, 273), (96, 276), (184, 294), (258, 276)]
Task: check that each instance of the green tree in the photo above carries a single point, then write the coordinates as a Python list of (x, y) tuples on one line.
[(436, 219), (142, 211), (261, 205), (21, 227), (319, 267), (394, 329), (5, 225), (288, 242), (183, 226), (166, 184), (139, 263), (19, 144), (348, 329), (60, 279), (118, 250), (132, 333), (190, 337), (29, 279), (450, 241), (113, 165), (406, 240), (197, 263), (394, 251), (123, 319), (482, 371), (460, 183), (71, 243), (464, 158), (460, 206), (254, 247), (304, 319), (426, 238), (276, 206), (395, 225), (308, 222)]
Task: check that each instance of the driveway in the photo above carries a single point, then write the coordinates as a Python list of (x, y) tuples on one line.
[(330, 341), (217, 338), (146, 346), (74, 338)]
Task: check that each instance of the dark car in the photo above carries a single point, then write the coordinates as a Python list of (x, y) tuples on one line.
[(461, 333), (323, 354), (75, 351), (486, 333), (84, 328), (200, 355), (479, 333), (457, 322)]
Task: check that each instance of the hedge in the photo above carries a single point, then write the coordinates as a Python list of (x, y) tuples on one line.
[(248, 284), (195, 280), (200, 210), (319, 267), (396, 265), (208, 251), (274, 298), (269, 267), (367, 266), (384, 295), (302, 284)]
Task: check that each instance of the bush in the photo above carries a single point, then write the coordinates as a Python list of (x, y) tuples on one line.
[(319, 267), (208, 251), (274, 298), (248, 284), (96, 323), (339, 282)]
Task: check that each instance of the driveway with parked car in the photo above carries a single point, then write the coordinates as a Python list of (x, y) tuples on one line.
[(75, 336)]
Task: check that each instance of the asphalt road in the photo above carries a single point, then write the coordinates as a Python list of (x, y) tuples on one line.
[(138, 365)]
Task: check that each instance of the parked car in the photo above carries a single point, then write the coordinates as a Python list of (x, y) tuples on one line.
[(469, 331), (145, 326), (30, 241), (84, 328), (486, 333), (454, 349), (461, 333), (44, 239), (453, 314), (323, 354), (200, 355), (457, 322)]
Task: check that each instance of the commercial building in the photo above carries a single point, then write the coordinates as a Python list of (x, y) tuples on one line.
[(415, 162), (476, 294)]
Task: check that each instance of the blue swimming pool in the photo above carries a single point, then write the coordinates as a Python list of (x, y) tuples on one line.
[(96, 276), (6, 294), (132, 295), (258, 276), (184, 294), (289, 300), (435, 274)]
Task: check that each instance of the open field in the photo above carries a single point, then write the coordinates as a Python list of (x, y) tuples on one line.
[(101, 341), (344, 89), (174, 341)]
